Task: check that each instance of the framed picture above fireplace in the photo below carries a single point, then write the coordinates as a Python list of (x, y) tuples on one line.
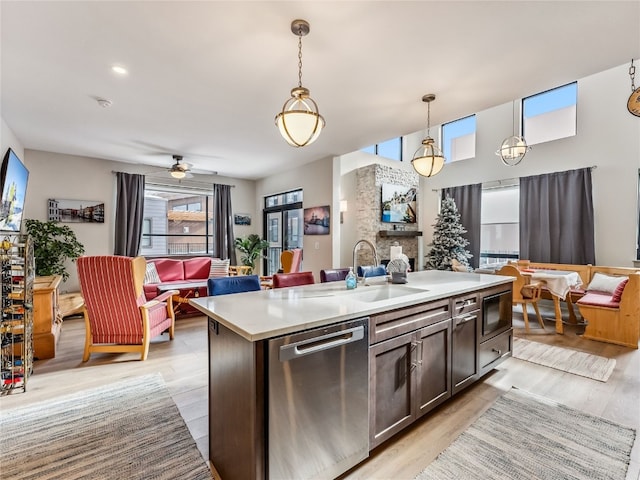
[(398, 203)]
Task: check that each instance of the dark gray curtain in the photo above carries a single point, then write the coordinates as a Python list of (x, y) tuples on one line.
[(556, 218), (223, 241), (468, 200), (129, 211)]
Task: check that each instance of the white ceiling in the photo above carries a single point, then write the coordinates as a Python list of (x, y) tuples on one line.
[(206, 79)]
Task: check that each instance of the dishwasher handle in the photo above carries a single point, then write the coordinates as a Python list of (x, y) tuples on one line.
[(320, 343)]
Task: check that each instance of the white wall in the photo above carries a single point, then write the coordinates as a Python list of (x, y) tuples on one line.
[(607, 137), (54, 175), (316, 181), (8, 140)]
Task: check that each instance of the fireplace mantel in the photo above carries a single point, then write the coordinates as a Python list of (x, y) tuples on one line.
[(400, 233)]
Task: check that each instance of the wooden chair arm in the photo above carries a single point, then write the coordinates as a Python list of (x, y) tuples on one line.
[(164, 295)]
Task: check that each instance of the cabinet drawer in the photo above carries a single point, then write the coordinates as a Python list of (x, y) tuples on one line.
[(403, 320), (465, 303), (494, 351)]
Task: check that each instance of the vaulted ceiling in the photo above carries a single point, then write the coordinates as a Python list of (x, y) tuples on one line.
[(206, 79)]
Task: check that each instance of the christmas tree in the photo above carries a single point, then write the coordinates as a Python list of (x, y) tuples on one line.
[(448, 242)]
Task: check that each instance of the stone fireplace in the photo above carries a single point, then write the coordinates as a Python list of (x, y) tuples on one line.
[(369, 182)]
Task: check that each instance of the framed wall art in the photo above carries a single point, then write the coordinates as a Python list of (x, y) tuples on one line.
[(398, 203), (75, 211), (316, 220), (242, 219)]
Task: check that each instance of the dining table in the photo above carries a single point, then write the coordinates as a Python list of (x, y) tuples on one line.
[(559, 284)]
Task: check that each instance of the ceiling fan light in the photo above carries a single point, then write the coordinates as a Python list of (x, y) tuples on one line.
[(177, 173), (428, 159)]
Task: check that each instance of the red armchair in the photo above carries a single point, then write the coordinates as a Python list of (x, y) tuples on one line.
[(117, 316)]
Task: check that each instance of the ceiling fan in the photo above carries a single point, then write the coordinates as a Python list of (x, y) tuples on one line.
[(179, 170)]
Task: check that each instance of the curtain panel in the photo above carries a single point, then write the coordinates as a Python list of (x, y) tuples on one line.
[(129, 213), (468, 200), (556, 218), (223, 239)]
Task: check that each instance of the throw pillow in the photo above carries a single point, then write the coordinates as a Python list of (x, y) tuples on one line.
[(617, 293), (605, 283), (219, 268), (151, 274)]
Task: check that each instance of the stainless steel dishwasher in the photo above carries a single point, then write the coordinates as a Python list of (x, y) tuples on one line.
[(318, 402)]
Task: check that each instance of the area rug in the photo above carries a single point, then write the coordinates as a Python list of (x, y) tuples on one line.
[(126, 430), (524, 436), (565, 359)]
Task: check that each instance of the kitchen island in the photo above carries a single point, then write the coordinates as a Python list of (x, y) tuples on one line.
[(277, 411)]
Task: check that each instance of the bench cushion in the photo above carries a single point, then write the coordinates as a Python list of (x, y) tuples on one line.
[(596, 299), (605, 283), (617, 294)]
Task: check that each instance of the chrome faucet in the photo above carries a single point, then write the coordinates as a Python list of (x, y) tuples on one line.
[(355, 257)]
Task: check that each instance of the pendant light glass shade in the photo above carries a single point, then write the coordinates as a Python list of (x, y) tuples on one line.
[(299, 122), (177, 174), (513, 150), (428, 159)]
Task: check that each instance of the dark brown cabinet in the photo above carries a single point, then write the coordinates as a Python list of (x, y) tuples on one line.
[(422, 355), (464, 363), (409, 376)]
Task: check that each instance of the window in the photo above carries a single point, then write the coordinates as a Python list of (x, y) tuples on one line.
[(499, 229), (459, 139), (391, 149), (146, 233), (550, 115), (177, 221)]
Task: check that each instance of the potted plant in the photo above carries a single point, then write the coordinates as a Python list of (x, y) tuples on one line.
[(251, 248), (53, 244)]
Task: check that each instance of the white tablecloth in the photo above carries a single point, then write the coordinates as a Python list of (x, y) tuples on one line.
[(558, 282)]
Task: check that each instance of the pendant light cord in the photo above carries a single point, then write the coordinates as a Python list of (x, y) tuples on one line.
[(300, 56)]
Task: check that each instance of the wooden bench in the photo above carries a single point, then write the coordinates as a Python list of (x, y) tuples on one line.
[(606, 321), (610, 321)]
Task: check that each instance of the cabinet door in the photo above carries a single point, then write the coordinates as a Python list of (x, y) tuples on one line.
[(391, 370), (464, 363), (433, 385)]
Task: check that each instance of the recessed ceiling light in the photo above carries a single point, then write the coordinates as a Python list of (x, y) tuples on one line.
[(119, 69)]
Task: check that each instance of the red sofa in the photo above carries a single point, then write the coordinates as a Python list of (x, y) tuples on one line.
[(175, 272)]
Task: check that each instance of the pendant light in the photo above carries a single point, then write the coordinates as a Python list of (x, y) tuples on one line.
[(513, 148), (428, 159), (299, 122)]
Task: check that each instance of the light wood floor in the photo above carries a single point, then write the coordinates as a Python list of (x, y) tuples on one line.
[(183, 364)]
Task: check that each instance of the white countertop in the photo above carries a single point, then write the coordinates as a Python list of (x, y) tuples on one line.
[(271, 313)]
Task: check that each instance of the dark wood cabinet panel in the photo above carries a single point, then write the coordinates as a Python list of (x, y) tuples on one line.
[(397, 322), (391, 387), (434, 367), (495, 350), (464, 364), (236, 404)]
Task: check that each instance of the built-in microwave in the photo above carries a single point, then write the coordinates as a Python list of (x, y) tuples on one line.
[(497, 314)]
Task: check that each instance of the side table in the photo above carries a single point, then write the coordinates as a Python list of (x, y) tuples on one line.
[(47, 320)]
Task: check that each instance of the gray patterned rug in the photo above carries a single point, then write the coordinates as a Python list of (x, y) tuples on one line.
[(524, 436), (127, 430), (565, 359)]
